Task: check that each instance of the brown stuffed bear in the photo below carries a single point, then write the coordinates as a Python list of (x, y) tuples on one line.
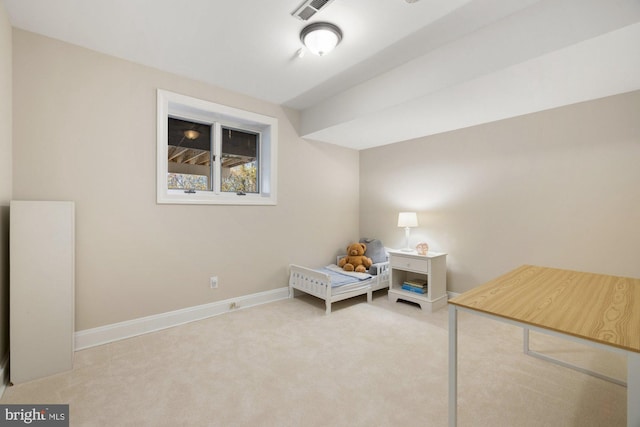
[(355, 259)]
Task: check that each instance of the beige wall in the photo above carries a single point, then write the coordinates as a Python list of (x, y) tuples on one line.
[(84, 130), (5, 174), (558, 188)]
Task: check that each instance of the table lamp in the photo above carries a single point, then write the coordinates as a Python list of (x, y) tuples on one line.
[(407, 220)]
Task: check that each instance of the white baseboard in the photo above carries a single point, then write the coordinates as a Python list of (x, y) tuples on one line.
[(452, 294), (4, 373), (131, 328)]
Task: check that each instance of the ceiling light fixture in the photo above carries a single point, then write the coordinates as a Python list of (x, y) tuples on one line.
[(191, 134), (321, 37)]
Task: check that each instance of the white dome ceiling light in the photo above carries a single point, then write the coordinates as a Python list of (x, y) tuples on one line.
[(321, 37)]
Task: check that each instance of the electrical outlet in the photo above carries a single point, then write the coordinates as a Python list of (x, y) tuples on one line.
[(213, 282)]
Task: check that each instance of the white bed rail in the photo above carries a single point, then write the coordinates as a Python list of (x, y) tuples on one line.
[(310, 281), (382, 278)]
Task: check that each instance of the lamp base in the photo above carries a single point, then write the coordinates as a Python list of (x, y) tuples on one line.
[(407, 230)]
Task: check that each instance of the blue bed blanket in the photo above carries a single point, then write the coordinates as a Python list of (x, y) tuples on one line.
[(339, 277)]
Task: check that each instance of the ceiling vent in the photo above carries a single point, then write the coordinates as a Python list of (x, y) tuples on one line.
[(310, 8)]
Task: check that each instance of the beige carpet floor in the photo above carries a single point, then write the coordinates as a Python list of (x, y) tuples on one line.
[(288, 364)]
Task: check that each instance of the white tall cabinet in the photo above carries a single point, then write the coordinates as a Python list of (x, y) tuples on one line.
[(42, 282)]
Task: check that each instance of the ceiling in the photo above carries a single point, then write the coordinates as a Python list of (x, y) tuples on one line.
[(403, 70)]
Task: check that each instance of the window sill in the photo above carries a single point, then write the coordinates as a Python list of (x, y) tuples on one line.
[(209, 198)]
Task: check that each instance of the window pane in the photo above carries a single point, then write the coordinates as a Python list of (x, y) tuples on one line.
[(239, 161), (189, 155)]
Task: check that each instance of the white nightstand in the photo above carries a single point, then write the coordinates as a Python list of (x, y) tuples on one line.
[(410, 267)]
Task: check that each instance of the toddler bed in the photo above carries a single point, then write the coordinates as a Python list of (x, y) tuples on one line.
[(332, 284)]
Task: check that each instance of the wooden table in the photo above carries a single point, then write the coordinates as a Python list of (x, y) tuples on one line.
[(595, 309)]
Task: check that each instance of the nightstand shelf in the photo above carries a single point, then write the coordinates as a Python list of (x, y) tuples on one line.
[(430, 268)]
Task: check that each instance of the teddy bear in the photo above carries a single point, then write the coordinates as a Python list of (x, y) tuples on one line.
[(355, 259)]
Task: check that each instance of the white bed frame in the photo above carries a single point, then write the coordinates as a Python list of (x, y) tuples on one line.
[(318, 284)]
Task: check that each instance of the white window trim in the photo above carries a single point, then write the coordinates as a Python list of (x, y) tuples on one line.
[(186, 107)]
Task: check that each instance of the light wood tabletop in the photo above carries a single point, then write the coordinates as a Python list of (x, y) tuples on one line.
[(596, 307)]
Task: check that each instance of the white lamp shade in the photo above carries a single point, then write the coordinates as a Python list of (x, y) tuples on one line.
[(321, 37), (407, 219)]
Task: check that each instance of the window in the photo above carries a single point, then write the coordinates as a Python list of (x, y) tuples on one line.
[(239, 165), (213, 154)]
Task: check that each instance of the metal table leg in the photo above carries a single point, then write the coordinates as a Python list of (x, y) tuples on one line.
[(453, 365)]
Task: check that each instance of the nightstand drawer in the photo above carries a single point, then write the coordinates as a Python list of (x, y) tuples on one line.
[(411, 264)]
